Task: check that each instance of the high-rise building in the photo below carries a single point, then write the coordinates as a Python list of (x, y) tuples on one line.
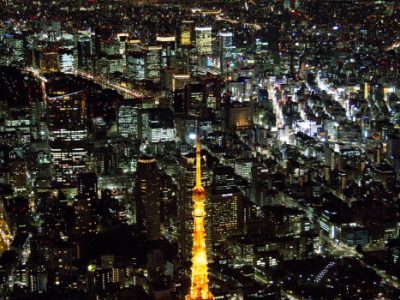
[(204, 40), (85, 52), (49, 61), (68, 134), (66, 60), (195, 98), (199, 279), (85, 215), (148, 196), (136, 65), (237, 116), (226, 212), (186, 32), (225, 45), (160, 126), (128, 119), (87, 186), (190, 57), (168, 47), (153, 62)]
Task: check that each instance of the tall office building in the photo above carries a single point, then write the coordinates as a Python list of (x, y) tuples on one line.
[(68, 134), (49, 61), (226, 211), (136, 65), (148, 196), (168, 48), (128, 119), (66, 59), (160, 127), (225, 45), (153, 63), (190, 60), (237, 115), (195, 98), (87, 186), (186, 32), (85, 52), (85, 214), (204, 40)]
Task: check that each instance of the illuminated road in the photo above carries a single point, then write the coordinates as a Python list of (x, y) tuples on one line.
[(261, 279), (128, 93), (232, 21), (289, 296), (43, 80), (382, 274), (280, 122), (343, 250)]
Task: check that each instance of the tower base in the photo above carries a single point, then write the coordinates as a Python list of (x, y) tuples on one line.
[(209, 297)]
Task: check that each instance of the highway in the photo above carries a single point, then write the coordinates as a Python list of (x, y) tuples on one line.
[(127, 93), (254, 26)]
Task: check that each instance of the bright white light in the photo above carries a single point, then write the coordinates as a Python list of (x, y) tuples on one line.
[(192, 136)]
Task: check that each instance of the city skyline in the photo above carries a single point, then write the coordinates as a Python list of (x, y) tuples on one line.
[(197, 150)]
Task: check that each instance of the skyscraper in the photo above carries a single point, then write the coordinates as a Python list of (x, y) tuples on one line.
[(136, 65), (153, 62), (85, 215), (128, 119), (199, 279), (195, 98), (226, 212), (204, 40), (148, 196), (225, 45), (186, 32), (68, 133), (160, 126)]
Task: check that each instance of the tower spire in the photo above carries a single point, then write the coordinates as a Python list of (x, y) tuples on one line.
[(199, 279), (198, 162)]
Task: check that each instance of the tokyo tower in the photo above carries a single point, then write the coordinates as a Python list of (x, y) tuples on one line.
[(199, 279)]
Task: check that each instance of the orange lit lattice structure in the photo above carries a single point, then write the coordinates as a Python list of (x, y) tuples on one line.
[(5, 237), (199, 286), (5, 233)]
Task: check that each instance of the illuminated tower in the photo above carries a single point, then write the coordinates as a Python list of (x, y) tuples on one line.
[(5, 234), (187, 180), (199, 286)]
